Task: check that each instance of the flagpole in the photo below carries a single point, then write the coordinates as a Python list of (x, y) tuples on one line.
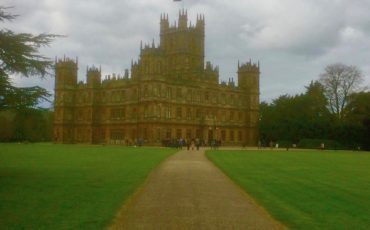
[(182, 3)]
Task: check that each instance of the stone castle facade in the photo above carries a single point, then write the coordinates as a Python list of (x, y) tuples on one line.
[(170, 94)]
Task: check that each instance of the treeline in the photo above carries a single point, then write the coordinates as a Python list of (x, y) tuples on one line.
[(307, 120), (26, 125)]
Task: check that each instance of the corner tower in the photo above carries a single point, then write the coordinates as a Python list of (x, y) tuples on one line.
[(248, 81), (65, 85)]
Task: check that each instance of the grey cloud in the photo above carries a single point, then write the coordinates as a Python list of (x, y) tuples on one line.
[(293, 40)]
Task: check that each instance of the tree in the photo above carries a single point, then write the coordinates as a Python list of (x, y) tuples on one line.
[(292, 118), (358, 119), (339, 82), (19, 55)]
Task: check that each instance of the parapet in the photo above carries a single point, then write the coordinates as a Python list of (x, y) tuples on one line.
[(249, 67)]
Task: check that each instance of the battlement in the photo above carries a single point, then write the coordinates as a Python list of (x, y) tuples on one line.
[(210, 68), (65, 72), (93, 70), (149, 49), (249, 67), (66, 62), (182, 23)]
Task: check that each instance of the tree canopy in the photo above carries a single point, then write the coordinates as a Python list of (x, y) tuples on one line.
[(333, 113), (19, 54)]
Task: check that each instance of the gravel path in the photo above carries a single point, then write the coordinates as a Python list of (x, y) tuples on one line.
[(187, 191)]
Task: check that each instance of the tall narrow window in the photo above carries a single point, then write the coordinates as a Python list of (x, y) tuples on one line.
[(178, 112)]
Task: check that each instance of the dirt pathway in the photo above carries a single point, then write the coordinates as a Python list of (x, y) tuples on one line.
[(188, 192)]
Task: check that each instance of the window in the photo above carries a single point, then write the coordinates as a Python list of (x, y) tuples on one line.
[(231, 135), (169, 92), (168, 133), (198, 134), (158, 134), (168, 112), (134, 113), (188, 113), (188, 133), (116, 134), (123, 95), (179, 93), (134, 94), (223, 99), (146, 112), (178, 133), (198, 113), (123, 113), (189, 95), (115, 114), (223, 135), (146, 93), (158, 111), (178, 112)]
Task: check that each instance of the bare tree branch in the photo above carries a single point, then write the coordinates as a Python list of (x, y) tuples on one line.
[(339, 82)]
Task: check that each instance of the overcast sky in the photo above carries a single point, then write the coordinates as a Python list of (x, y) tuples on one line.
[(293, 39)]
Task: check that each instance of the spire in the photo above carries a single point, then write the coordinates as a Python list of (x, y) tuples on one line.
[(183, 19)]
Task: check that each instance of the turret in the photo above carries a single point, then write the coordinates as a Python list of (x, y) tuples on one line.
[(126, 76), (65, 85), (93, 77), (164, 24), (183, 19), (248, 76), (65, 73), (200, 23)]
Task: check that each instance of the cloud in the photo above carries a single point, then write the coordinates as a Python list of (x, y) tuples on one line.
[(293, 39)]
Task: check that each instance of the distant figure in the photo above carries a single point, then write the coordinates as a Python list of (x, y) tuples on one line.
[(322, 146), (192, 144), (277, 145), (188, 144), (213, 144), (259, 144), (271, 144), (197, 143)]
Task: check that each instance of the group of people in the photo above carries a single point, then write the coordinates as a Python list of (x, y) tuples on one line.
[(191, 144)]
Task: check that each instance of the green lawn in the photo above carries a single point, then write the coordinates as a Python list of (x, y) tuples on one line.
[(46, 186), (304, 189)]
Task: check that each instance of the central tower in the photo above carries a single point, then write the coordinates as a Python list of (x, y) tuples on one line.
[(183, 45)]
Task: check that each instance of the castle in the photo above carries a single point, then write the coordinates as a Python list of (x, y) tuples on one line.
[(170, 94)]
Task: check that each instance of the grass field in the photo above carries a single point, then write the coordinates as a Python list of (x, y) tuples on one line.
[(304, 189), (46, 186)]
